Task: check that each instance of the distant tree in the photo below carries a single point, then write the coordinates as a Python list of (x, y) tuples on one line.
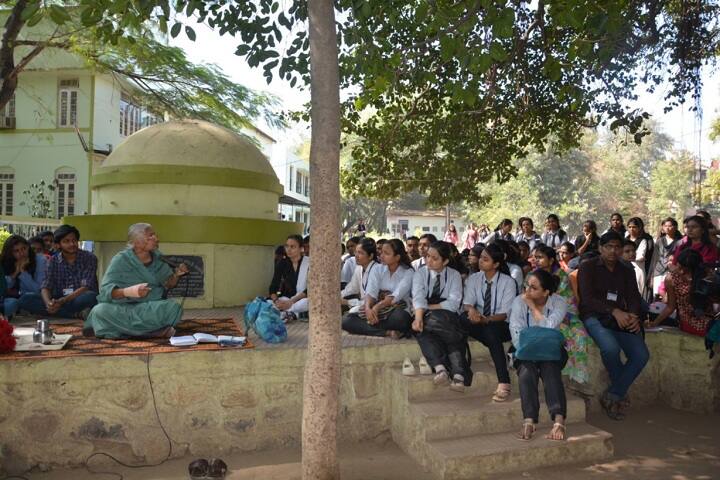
[(671, 182)]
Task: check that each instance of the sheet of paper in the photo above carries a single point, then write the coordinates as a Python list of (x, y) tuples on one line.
[(183, 341), (205, 338)]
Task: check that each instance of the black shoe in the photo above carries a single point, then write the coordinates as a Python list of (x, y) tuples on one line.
[(611, 407)]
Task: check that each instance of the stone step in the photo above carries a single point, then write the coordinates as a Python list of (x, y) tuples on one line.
[(483, 455), (421, 387), (478, 414)]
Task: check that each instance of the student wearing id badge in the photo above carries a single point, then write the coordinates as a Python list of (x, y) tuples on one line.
[(610, 308), (70, 287)]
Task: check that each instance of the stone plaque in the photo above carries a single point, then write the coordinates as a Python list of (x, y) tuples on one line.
[(193, 283)]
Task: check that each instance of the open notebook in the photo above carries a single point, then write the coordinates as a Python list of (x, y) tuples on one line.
[(223, 340)]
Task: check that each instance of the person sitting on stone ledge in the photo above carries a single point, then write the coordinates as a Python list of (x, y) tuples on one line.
[(70, 286), (132, 303), (24, 272), (424, 243), (288, 288), (541, 307), (353, 295), (610, 307), (386, 309)]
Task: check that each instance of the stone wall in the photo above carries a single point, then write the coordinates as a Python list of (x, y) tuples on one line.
[(57, 412)]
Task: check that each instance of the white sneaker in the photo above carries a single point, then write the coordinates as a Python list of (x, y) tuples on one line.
[(424, 367), (408, 368), (441, 379), (458, 384)]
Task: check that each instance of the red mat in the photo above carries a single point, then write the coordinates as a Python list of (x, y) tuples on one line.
[(83, 346)]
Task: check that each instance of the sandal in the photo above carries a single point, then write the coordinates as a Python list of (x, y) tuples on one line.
[(502, 393), (218, 468), (526, 432), (424, 367), (288, 317), (408, 369), (611, 407), (553, 432)]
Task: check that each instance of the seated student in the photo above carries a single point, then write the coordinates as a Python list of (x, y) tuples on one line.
[(423, 246), (411, 245), (378, 244), (697, 237), (565, 254), (681, 286), (539, 306), (70, 287), (353, 295), (524, 257), (348, 263), (131, 300), (617, 224), (387, 305), (554, 236), (436, 295), (48, 239), (527, 233), (512, 258), (474, 258), (38, 246), (629, 256), (502, 232), (610, 308), (487, 299), (288, 288), (24, 272), (279, 254), (588, 241), (306, 246)]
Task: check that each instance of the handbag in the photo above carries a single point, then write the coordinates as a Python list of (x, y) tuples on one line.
[(385, 312), (264, 318), (540, 344), (444, 324)]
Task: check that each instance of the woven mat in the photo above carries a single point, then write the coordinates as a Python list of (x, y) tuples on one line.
[(82, 346)]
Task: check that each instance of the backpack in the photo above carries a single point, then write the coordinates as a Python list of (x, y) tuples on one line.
[(264, 318)]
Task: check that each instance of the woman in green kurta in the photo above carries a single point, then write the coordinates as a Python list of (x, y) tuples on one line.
[(130, 302)]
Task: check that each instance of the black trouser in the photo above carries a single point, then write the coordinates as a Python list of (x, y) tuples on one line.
[(492, 335), (443, 347), (528, 375), (398, 319)]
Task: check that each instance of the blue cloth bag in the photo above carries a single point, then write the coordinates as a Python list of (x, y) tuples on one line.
[(262, 317), (540, 344)]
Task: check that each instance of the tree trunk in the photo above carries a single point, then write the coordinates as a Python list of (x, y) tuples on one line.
[(322, 369), (8, 76)]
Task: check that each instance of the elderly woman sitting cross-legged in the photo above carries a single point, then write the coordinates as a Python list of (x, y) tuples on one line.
[(131, 300)]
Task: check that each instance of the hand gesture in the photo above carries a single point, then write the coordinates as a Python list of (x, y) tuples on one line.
[(181, 270), (372, 316), (53, 306), (417, 325), (143, 290)]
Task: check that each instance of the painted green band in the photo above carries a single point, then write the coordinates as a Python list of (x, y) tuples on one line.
[(41, 130), (187, 229), (185, 175)]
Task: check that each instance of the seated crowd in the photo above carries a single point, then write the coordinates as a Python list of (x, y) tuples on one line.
[(528, 289)]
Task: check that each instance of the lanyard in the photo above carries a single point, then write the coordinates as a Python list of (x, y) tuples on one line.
[(527, 314), (367, 277)]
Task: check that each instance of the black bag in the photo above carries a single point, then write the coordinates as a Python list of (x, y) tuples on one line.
[(444, 324)]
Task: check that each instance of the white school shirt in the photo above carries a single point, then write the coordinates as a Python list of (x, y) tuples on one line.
[(502, 291), (399, 284), (348, 269), (533, 240), (418, 263), (520, 315), (451, 288), (518, 275), (639, 276), (360, 280), (554, 240), (302, 278)]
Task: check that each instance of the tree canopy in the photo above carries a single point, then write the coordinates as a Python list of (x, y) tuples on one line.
[(166, 80)]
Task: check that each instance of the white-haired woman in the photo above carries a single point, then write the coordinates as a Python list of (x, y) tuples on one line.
[(131, 300)]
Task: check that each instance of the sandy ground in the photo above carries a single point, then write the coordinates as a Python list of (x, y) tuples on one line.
[(655, 443)]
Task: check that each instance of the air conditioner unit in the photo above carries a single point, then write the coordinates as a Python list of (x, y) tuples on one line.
[(7, 122)]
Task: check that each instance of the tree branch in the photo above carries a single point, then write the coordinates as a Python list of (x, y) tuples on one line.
[(13, 25)]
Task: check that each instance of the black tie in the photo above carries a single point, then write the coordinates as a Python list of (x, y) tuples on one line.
[(436, 287), (487, 299)]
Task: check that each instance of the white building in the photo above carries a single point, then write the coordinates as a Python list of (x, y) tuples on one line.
[(405, 223)]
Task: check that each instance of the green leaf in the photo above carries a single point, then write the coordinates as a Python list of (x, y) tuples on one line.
[(58, 14), (35, 19), (503, 25), (29, 11), (190, 33), (175, 30), (497, 52)]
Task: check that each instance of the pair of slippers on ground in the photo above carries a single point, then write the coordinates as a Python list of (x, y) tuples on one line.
[(201, 469)]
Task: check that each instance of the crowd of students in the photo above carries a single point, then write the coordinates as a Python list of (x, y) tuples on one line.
[(528, 288)]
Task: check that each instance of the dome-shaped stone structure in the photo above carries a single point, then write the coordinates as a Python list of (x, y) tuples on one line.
[(209, 193)]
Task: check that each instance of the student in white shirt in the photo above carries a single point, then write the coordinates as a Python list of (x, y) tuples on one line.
[(423, 246), (288, 288), (630, 255), (486, 302), (554, 236), (387, 304), (436, 295), (527, 234), (366, 257), (539, 306), (348, 262)]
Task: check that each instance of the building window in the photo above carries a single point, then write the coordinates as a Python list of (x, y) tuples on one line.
[(425, 229), (290, 179), (7, 114), (434, 229), (298, 182), (7, 192), (298, 217), (130, 116), (65, 190), (306, 185), (68, 99)]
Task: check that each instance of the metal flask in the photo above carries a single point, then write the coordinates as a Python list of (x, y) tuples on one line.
[(43, 333)]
